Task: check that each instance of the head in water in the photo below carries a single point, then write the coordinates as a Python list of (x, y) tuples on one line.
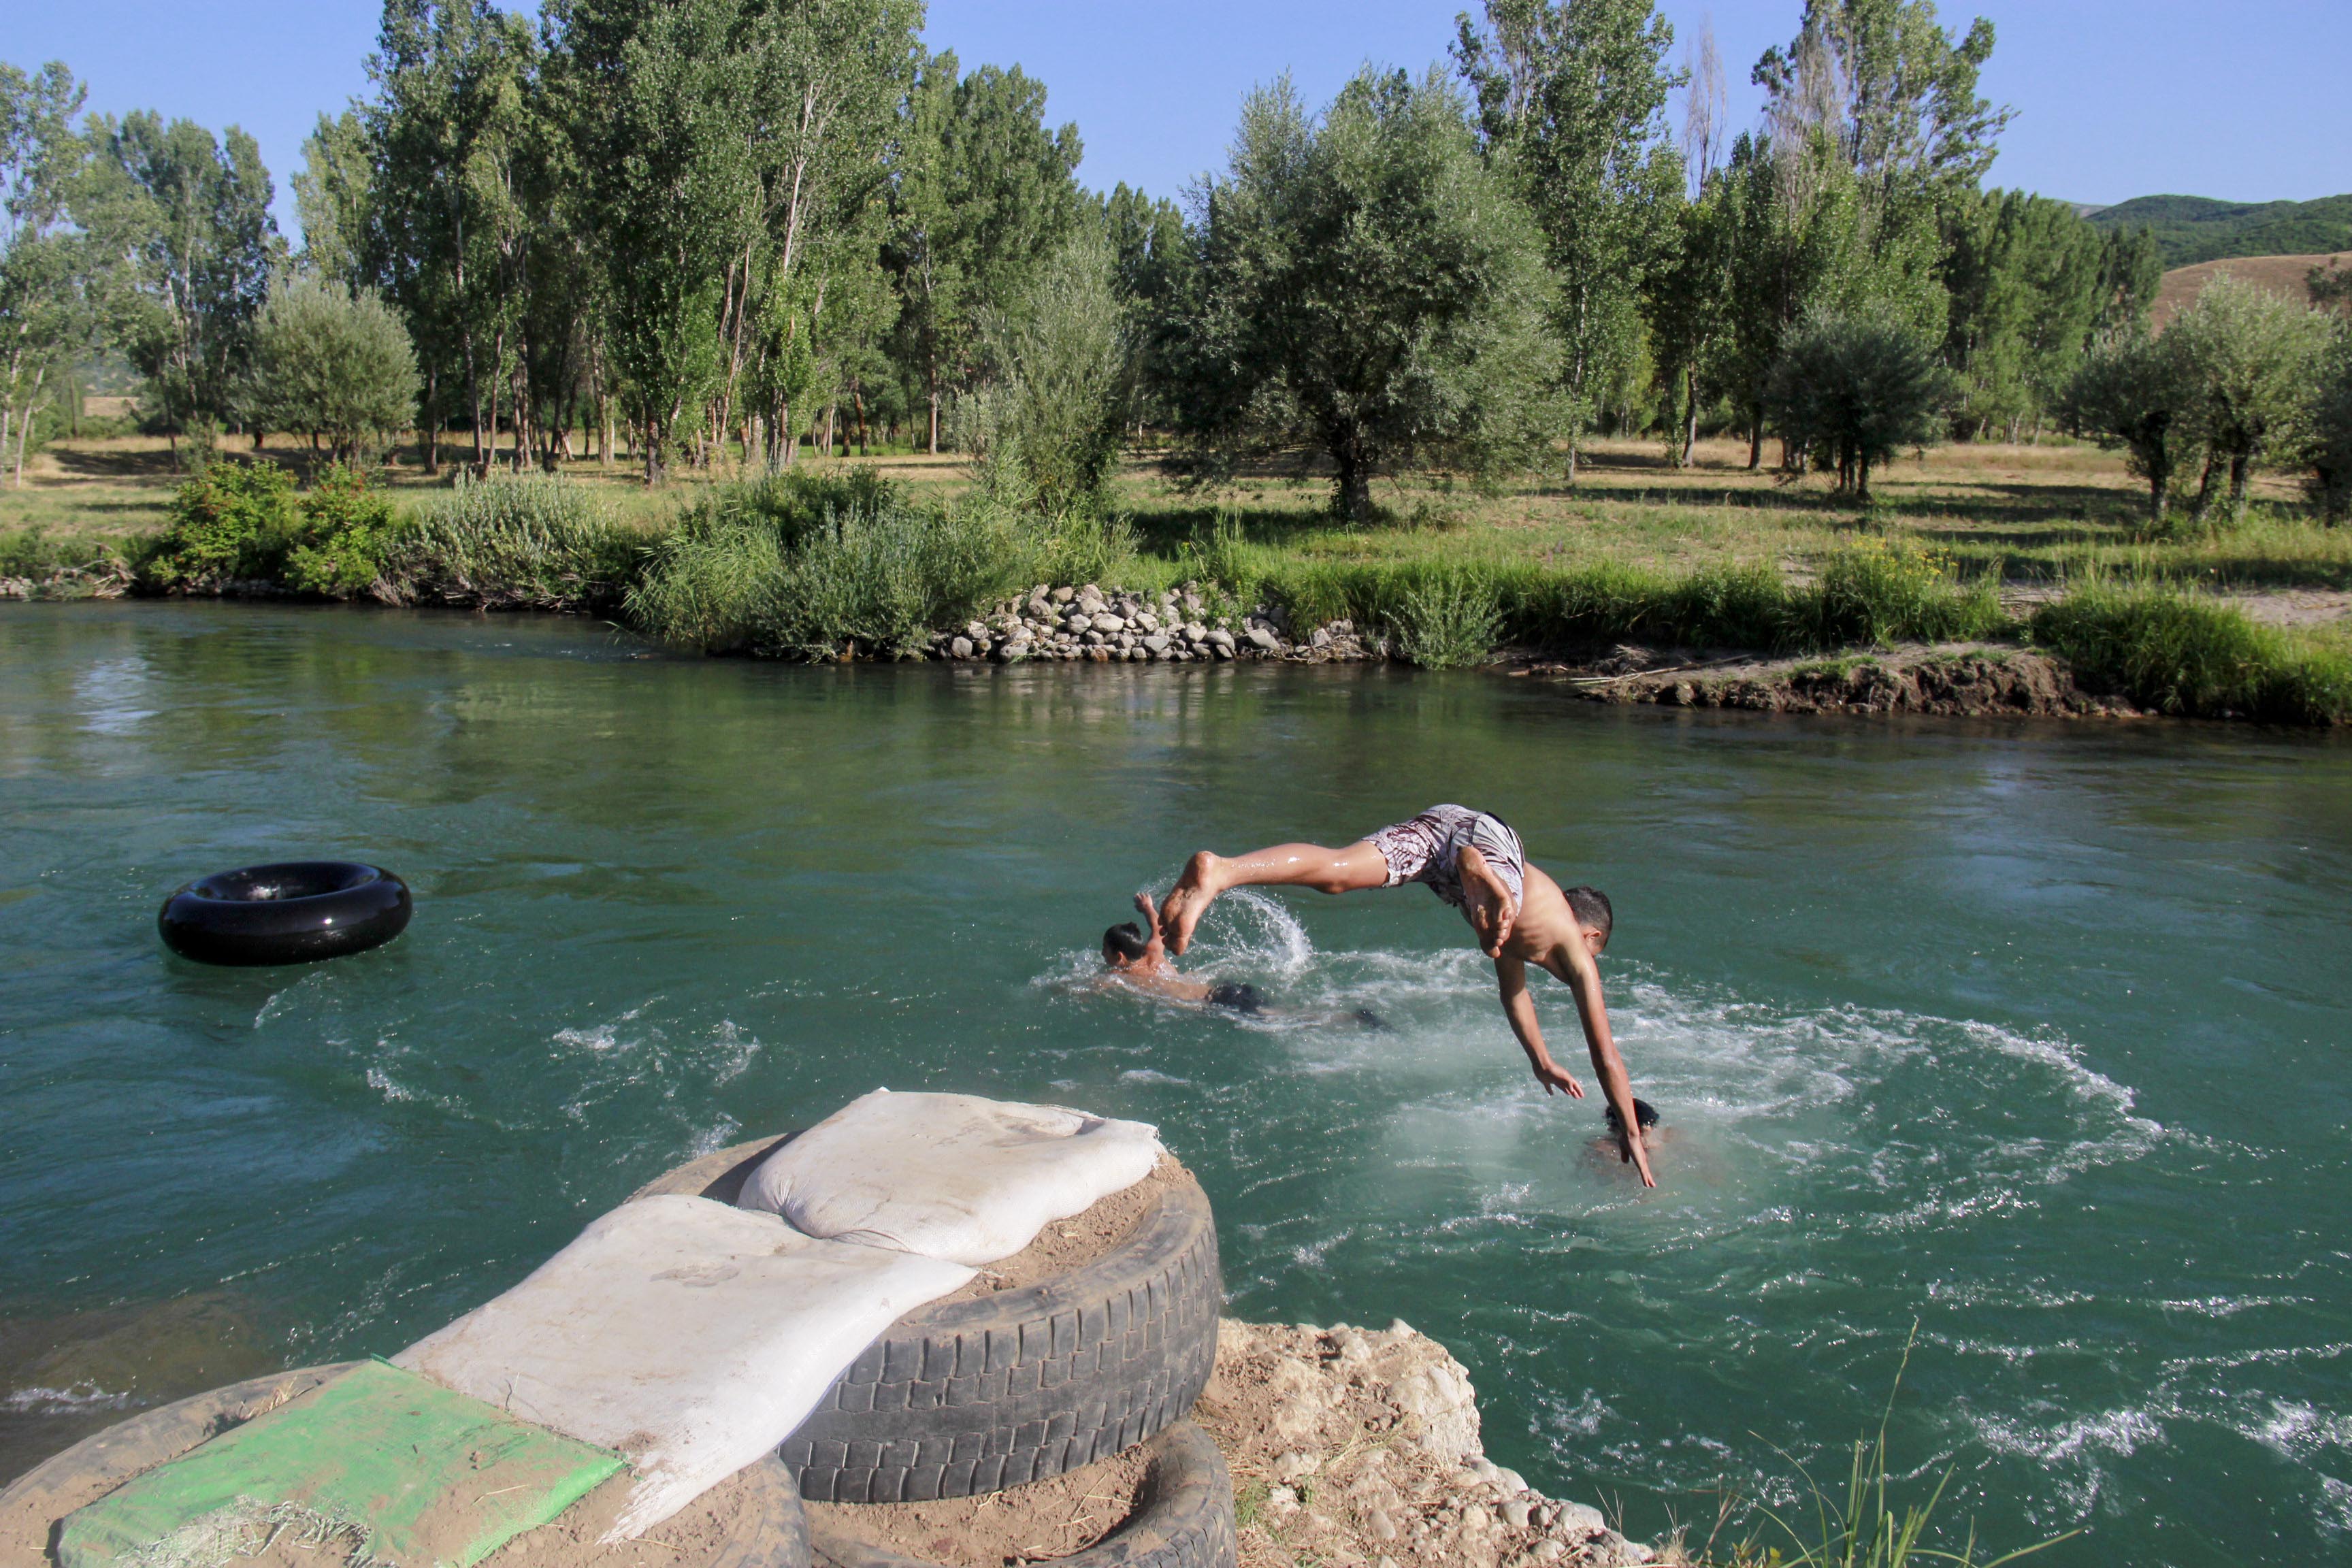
[(1643, 1113), (1124, 945), (1593, 916)]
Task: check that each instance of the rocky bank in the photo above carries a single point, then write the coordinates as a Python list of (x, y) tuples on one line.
[(1959, 680), (1177, 626), (1361, 1449)]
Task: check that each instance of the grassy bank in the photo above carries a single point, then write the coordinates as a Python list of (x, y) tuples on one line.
[(874, 558)]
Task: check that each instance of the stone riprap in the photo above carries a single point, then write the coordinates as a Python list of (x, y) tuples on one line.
[(1106, 626)]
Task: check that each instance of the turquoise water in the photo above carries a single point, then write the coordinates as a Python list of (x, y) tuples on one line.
[(2034, 1035)]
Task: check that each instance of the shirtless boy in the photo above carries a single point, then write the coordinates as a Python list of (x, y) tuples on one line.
[(1141, 964), (1518, 915)]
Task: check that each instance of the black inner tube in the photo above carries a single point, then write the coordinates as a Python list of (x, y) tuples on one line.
[(294, 911)]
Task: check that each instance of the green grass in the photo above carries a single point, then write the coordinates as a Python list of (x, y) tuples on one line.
[(2178, 654), (512, 542)]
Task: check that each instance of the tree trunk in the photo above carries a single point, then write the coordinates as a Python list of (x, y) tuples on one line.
[(1862, 479), (2240, 466), (1355, 482), (1755, 437), (2205, 489), (935, 415)]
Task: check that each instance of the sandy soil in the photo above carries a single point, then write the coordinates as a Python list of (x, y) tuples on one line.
[(696, 1533), (1033, 1523), (1067, 1244)]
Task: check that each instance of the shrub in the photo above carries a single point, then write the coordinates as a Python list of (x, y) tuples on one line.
[(524, 541), (345, 527), (1448, 620), (1876, 593), (817, 568), (2179, 654), (232, 522)]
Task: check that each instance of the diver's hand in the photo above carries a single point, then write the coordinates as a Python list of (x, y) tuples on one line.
[(1554, 1076), (1629, 1149)]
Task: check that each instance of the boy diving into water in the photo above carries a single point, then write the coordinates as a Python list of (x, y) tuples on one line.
[(1519, 916)]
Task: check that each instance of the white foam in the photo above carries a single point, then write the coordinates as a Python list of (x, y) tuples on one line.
[(80, 1397)]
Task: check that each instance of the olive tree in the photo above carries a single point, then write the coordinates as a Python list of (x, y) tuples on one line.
[(2330, 449), (333, 362), (2129, 392), (1368, 286), (2248, 356), (1857, 388)]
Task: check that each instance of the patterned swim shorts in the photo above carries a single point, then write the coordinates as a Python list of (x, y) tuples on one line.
[(1428, 850)]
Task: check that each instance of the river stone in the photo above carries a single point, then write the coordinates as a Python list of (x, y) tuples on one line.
[(1109, 624), (1261, 639), (1221, 638), (960, 647), (1062, 596), (1158, 645)]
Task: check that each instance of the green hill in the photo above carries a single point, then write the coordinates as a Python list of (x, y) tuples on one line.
[(2197, 228)]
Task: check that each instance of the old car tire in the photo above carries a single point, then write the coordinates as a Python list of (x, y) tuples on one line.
[(98, 1464), (963, 1397), (1185, 1518)]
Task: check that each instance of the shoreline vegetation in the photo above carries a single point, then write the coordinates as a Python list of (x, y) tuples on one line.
[(1997, 580)]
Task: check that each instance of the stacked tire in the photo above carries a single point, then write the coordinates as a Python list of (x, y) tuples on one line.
[(962, 1399)]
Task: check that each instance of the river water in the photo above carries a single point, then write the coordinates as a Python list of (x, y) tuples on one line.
[(2033, 1035)]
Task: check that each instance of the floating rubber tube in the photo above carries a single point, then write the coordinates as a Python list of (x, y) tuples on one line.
[(294, 913)]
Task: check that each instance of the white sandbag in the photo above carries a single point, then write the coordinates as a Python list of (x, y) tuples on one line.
[(690, 1336), (952, 1177)]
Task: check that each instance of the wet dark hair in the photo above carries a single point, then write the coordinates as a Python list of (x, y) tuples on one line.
[(1643, 1113), (1590, 907), (1127, 940)]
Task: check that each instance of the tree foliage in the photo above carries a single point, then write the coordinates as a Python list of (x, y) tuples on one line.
[(2247, 358), (1855, 389), (44, 307), (1367, 284), (2129, 392), (1571, 95), (180, 220), (331, 362)]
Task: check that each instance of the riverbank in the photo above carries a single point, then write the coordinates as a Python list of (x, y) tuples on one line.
[(1362, 1449), (852, 564)]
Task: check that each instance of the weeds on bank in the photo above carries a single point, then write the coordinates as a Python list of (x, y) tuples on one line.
[(817, 567), (1869, 1527), (523, 541), (2171, 651)]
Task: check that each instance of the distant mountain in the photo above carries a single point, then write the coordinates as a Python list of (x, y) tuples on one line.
[(2197, 229)]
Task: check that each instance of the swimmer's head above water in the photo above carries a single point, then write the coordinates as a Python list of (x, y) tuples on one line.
[(1125, 944), (1643, 1113)]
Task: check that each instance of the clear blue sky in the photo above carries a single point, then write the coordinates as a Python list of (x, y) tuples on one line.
[(2249, 100)]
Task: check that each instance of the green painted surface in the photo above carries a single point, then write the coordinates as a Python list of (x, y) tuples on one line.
[(380, 1447)]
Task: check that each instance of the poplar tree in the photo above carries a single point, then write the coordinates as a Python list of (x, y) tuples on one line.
[(983, 193), (43, 313), (1571, 99), (184, 246)]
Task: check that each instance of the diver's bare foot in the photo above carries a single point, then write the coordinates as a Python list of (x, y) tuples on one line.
[(1188, 901), (1493, 910)]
